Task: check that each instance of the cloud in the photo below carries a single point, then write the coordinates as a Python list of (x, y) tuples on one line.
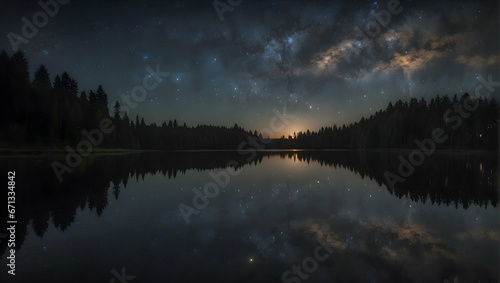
[(478, 62)]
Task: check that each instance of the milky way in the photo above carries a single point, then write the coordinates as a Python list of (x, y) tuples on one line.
[(327, 62)]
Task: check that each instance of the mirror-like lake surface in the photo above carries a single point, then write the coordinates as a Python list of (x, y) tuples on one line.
[(122, 211)]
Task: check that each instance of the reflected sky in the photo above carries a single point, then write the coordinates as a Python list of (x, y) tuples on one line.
[(263, 222)]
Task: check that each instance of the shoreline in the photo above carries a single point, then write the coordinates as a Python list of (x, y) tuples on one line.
[(41, 151)]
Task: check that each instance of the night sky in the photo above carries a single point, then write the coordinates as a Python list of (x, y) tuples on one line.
[(307, 56)]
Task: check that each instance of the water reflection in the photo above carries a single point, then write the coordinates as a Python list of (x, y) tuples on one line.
[(268, 217)]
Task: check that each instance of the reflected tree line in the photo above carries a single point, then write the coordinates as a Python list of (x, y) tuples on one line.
[(54, 113), (459, 180)]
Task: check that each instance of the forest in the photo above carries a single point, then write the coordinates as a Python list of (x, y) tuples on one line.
[(399, 125), (53, 113)]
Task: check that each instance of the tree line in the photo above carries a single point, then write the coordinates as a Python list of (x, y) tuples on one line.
[(53, 113), (400, 124), (42, 112)]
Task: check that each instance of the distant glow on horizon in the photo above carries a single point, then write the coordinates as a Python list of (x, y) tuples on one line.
[(289, 130)]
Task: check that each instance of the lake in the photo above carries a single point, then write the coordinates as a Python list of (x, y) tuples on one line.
[(278, 216)]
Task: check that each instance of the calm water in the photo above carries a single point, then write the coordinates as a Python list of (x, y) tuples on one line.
[(121, 211)]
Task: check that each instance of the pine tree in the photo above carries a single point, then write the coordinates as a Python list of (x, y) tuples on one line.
[(20, 68), (66, 82), (116, 110), (92, 100), (42, 79), (73, 88), (83, 98), (58, 83), (102, 101)]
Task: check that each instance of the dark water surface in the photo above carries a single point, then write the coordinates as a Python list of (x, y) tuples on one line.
[(122, 211)]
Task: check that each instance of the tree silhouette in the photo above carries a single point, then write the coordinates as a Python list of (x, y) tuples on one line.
[(40, 114), (102, 101), (42, 79), (116, 110)]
